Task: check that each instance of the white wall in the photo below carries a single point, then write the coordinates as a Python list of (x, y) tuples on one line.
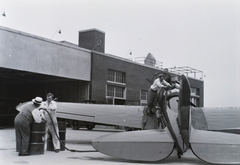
[(26, 52)]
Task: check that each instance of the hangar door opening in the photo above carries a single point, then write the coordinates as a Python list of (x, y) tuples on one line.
[(20, 86)]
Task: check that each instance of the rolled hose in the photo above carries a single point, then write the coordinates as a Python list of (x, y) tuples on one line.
[(59, 137)]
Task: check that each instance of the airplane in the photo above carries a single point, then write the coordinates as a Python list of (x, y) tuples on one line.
[(211, 134)]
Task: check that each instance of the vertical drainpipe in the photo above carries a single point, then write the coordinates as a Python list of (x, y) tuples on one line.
[(90, 84)]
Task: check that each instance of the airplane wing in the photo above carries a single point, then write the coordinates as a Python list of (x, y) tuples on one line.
[(146, 145), (209, 145), (119, 115), (215, 147), (19, 106)]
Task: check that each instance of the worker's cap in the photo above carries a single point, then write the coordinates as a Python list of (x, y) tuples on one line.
[(37, 100), (165, 70), (174, 78)]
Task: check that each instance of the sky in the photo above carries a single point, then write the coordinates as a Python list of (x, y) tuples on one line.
[(201, 34)]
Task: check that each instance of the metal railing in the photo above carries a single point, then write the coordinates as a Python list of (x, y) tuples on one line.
[(188, 71)]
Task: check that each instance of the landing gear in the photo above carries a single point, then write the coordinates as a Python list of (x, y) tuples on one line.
[(90, 126), (131, 129), (75, 124)]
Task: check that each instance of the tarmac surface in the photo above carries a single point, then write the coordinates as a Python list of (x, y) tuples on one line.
[(78, 140)]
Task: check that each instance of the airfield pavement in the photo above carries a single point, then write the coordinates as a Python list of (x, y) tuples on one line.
[(78, 140)]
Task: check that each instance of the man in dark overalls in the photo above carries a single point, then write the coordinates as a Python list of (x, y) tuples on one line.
[(23, 123)]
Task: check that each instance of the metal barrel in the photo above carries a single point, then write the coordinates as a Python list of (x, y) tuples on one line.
[(37, 138), (62, 135)]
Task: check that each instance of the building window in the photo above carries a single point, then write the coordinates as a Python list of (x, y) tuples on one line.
[(195, 96), (116, 87), (110, 91), (195, 91), (143, 97), (195, 101), (111, 75), (116, 76), (119, 92), (116, 91)]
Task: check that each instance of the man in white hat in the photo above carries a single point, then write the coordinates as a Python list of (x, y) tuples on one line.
[(22, 124)]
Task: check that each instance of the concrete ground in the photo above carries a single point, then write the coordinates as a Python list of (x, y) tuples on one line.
[(78, 140)]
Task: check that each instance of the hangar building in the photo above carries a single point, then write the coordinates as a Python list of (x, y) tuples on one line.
[(32, 66)]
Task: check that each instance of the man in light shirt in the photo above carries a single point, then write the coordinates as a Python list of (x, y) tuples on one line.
[(158, 84), (51, 106)]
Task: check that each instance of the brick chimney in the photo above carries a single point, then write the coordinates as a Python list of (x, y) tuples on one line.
[(92, 39)]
